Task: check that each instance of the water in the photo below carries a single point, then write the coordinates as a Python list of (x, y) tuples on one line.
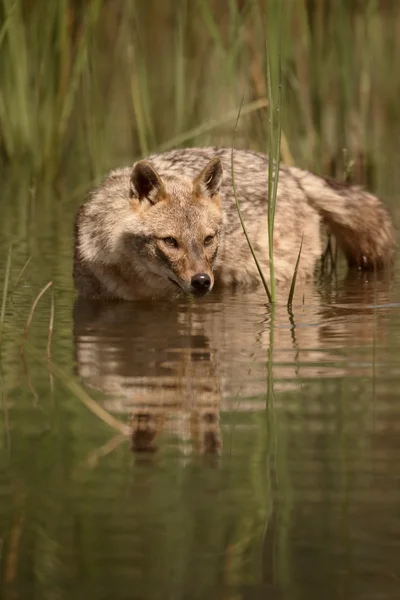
[(208, 449)]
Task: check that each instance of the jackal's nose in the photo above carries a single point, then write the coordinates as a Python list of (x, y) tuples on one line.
[(200, 283)]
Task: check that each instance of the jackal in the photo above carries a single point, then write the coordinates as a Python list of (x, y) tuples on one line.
[(169, 225)]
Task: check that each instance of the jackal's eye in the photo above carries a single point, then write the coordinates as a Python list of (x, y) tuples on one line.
[(171, 242), (208, 240)]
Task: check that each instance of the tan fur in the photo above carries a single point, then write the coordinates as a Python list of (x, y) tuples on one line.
[(123, 232)]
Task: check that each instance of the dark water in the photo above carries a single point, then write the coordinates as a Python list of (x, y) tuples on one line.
[(208, 449)]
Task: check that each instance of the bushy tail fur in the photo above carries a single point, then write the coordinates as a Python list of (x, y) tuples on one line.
[(361, 224)]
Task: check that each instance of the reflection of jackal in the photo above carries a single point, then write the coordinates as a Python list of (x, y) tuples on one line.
[(170, 224), (167, 383)]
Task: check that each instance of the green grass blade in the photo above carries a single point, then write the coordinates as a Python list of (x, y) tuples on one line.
[(79, 66), (20, 274), (7, 20), (273, 154), (264, 282), (293, 284), (181, 86), (5, 291), (278, 146), (78, 391), (212, 26)]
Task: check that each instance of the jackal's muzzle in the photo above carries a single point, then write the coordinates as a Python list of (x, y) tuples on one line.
[(200, 284)]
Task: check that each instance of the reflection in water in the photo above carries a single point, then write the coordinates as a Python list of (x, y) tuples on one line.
[(314, 507), (174, 368), (262, 459), (155, 363)]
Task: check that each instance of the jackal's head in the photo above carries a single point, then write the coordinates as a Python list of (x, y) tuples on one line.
[(176, 226)]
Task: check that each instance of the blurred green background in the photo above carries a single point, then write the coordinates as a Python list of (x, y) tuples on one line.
[(89, 85)]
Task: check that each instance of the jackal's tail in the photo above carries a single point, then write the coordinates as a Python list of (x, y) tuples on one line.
[(360, 222)]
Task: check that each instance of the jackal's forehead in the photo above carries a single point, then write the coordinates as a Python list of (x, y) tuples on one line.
[(184, 219), (182, 216), (178, 189)]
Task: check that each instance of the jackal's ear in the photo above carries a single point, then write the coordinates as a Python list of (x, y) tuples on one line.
[(145, 183), (210, 179)]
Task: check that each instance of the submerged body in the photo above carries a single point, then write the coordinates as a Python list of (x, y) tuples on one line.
[(170, 225)]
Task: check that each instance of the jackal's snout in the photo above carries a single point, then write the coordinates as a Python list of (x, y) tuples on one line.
[(200, 284)]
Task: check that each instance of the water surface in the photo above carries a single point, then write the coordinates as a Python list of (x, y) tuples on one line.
[(237, 452)]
